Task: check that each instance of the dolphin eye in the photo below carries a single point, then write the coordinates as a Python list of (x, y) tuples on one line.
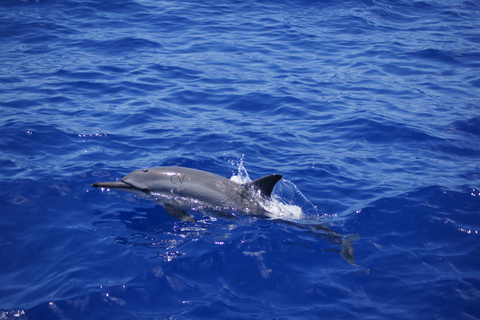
[(145, 170)]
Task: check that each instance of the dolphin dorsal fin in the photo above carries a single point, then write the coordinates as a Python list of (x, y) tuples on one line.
[(265, 184)]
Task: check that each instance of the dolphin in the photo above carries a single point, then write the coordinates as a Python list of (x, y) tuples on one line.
[(180, 189)]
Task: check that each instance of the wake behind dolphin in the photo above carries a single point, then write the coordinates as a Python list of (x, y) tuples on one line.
[(180, 189)]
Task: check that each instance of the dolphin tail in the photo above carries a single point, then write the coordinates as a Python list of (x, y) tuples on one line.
[(347, 247), (265, 184), (332, 236)]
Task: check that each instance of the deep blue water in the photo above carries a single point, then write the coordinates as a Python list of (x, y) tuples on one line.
[(369, 109)]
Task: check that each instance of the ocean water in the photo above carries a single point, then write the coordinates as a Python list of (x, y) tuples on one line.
[(369, 109)]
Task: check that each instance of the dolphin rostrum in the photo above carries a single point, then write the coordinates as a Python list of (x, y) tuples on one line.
[(180, 189)]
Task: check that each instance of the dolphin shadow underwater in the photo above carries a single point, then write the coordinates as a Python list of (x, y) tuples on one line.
[(180, 189)]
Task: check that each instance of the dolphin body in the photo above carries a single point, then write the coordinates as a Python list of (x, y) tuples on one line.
[(180, 189)]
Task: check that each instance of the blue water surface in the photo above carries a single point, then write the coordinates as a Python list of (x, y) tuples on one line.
[(369, 109)]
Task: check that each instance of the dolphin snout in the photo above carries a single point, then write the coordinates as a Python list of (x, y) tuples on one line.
[(111, 184)]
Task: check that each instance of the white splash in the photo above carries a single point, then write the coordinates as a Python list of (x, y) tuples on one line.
[(242, 176), (287, 201)]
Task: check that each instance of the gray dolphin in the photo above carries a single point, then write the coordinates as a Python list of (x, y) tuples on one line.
[(180, 189)]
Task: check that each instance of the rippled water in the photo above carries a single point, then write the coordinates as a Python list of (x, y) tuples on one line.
[(369, 110)]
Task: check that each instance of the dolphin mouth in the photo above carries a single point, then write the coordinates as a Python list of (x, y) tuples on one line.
[(113, 184)]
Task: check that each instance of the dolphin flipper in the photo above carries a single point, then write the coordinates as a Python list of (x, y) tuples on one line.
[(178, 213), (265, 184)]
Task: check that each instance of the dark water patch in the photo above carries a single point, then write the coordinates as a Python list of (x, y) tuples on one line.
[(117, 46), (434, 55), (471, 126), (21, 104), (375, 131)]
